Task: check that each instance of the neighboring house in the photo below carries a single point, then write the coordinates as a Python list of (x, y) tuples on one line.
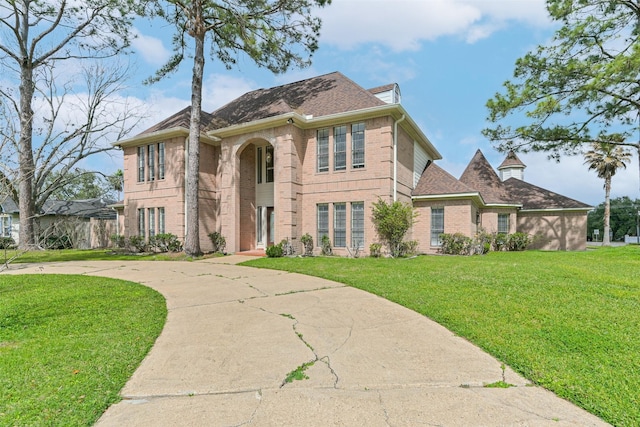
[(481, 199), (88, 223), (9, 218), (307, 157)]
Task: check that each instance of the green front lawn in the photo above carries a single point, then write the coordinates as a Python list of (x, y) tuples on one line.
[(569, 321), (69, 343)]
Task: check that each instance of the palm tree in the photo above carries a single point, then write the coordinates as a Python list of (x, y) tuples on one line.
[(606, 159)]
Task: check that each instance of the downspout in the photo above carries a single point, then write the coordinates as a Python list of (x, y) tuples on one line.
[(184, 190), (395, 157)]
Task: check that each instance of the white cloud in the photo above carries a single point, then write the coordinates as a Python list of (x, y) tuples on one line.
[(219, 89), (151, 49), (404, 24)]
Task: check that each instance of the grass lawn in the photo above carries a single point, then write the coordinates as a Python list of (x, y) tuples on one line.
[(68, 344), (568, 321), (93, 255)]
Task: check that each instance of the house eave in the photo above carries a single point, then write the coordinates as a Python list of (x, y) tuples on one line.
[(174, 132), (504, 205), (453, 196), (552, 210)]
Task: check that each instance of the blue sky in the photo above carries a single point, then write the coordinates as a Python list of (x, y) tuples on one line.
[(448, 56)]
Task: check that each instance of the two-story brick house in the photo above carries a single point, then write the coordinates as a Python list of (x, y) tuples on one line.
[(306, 157)]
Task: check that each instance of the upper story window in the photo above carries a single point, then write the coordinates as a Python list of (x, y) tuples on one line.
[(437, 226), (141, 164), (340, 148), (151, 160), (269, 161), (503, 223), (357, 145), (153, 168), (259, 165), (323, 150), (161, 160)]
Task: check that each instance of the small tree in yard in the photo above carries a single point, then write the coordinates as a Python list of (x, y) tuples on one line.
[(392, 221)]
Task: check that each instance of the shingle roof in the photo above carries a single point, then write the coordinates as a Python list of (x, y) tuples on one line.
[(383, 88), (511, 160), (8, 205), (90, 208), (480, 175), (318, 96), (533, 197), (180, 119), (437, 181)]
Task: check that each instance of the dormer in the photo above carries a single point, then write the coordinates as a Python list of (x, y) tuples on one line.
[(512, 167), (388, 93)]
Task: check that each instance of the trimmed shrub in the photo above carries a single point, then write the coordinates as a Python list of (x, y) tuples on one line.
[(499, 242), (218, 242), (274, 251), (165, 242), (287, 247), (307, 244), (408, 248), (518, 241), (325, 245), (375, 250), (118, 240), (137, 244), (455, 244)]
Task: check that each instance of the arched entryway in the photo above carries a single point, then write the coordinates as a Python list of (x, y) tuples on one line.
[(257, 214)]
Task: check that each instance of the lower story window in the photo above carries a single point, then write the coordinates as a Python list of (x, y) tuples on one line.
[(161, 228), (5, 226), (323, 221), (503, 223), (340, 225), (141, 223), (152, 222), (357, 225), (437, 225)]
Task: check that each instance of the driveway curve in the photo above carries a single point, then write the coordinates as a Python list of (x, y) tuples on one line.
[(235, 336)]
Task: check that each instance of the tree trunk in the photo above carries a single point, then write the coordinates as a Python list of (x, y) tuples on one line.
[(26, 165), (192, 238), (606, 241)]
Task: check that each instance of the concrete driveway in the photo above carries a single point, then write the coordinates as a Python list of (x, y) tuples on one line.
[(233, 334)]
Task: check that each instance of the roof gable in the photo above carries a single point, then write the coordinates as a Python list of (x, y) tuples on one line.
[(318, 96), (435, 181), (180, 119), (480, 175)]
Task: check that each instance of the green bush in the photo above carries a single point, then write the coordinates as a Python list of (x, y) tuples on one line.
[(408, 248), (375, 250), (137, 244), (218, 242), (307, 244), (118, 240), (518, 241), (287, 247), (499, 242), (392, 221), (165, 242), (7, 243), (456, 244), (274, 251), (325, 245)]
